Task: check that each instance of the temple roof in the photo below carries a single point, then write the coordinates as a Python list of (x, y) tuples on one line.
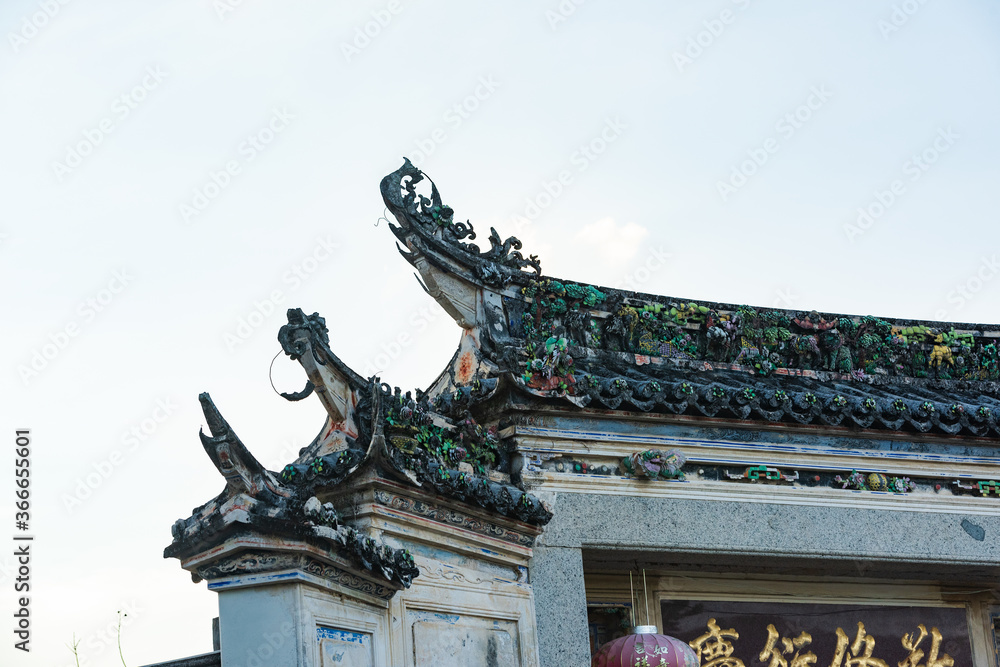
[(532, 341), (572, 343)]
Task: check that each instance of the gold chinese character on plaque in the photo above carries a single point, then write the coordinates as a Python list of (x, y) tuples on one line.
[(788, 646), (912, 644), (862, 642), (712, 648)]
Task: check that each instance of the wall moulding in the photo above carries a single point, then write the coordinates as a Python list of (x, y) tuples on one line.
[(257, 561), (410, 515), (549, 442)]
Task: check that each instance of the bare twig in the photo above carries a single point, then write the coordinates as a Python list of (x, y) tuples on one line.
[(73, 649), (120, 655)]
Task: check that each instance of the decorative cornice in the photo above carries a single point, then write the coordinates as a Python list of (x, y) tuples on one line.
[(453, 518), (262, 562)]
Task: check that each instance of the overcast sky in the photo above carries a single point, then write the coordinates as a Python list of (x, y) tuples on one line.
[(176, 174)]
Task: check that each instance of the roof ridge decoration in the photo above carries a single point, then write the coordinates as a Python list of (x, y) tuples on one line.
[(434, 225), (423, 440), (434, 444), (243, 472), (254, 498), (617, 349)]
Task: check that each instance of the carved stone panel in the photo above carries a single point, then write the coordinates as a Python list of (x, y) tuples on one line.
[(453, 640)]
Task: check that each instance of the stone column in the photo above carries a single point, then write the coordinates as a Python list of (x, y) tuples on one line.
[(259, 626), (556, 575)]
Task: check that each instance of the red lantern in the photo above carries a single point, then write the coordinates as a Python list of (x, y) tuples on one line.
[(645, 648)]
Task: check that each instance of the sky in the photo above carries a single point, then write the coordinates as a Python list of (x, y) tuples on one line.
[(175, 174)]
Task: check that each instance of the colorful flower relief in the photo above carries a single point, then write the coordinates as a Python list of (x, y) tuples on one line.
[(559, 315)]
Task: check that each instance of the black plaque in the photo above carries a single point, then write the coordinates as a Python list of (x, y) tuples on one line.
[(884, 630)]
